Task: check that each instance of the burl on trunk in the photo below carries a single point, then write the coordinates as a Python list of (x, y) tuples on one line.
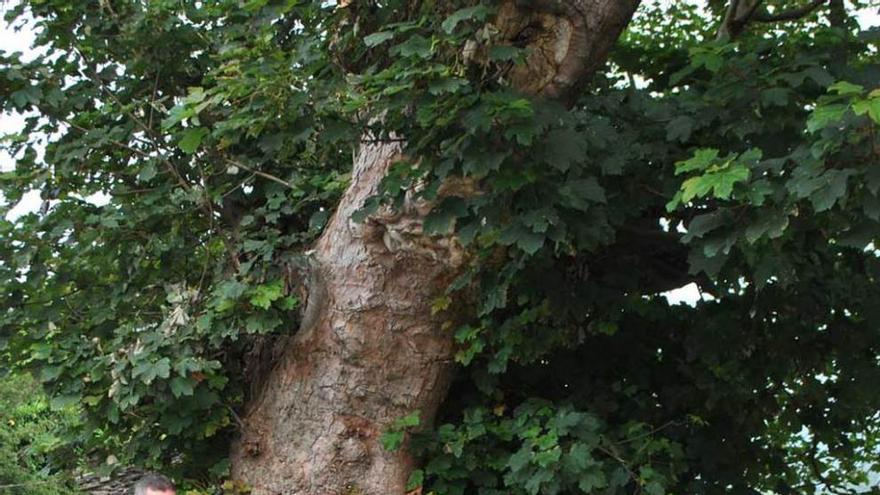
[(370, 351)]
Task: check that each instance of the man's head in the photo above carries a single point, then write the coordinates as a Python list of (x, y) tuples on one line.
[(154, 484)]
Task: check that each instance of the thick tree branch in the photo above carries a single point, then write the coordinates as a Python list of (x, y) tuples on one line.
[(738, 14), (566, 41), (746, 13), (788, 15), (658, 259), (732, 10), (741, 12)]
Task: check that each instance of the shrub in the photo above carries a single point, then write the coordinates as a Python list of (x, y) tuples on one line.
[(34, 448)]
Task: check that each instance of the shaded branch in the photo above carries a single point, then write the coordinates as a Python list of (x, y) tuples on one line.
[(813, 462), (745, 14), (264, 175), (731, 14), (788, 15), (733, 22), (655, 261), (741, 12)]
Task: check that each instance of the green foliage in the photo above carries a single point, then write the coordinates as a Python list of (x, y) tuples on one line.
[(221, 134), (718, 176), (392, 439), (34, 440), (543, 447)]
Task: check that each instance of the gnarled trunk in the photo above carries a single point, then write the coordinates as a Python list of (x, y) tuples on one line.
[(370, 349), (372, 353)]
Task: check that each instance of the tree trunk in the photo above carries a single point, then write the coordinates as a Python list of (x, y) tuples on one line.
[(370, 349), (372, 353)]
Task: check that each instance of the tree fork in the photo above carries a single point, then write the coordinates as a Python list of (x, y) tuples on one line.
[(374, 350)]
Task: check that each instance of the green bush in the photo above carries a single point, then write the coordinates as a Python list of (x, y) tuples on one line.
[(33, 448)]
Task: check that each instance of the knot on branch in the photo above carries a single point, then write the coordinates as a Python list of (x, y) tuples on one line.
[(401, 228), (402, 233)]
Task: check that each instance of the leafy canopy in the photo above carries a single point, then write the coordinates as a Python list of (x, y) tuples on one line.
[(219, 136)]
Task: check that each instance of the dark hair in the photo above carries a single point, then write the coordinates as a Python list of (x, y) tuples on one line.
[(154, 481)]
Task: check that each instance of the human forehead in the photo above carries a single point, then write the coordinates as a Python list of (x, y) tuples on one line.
[(153, 491)]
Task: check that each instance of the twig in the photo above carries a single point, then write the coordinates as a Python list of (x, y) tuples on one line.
[(17, 485), (153, 98), (817, 471), (611, 452), (147, 130), (237, 418), (649, 433), (257, 172)]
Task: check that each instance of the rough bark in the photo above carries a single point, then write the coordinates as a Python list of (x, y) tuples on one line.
[(370, 349), (567, 41), (372, 353)]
